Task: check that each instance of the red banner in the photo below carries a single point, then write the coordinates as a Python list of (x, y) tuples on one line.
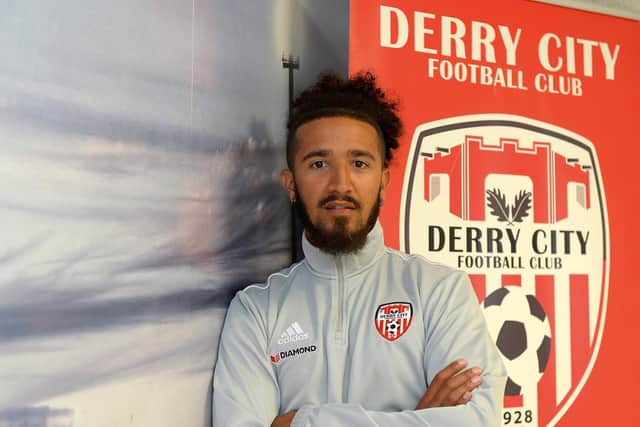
[(516, 166)]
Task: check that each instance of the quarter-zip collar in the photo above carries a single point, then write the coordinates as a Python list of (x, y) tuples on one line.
[(325, 264)]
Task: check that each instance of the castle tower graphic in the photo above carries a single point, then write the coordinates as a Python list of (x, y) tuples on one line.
[(467, 166)]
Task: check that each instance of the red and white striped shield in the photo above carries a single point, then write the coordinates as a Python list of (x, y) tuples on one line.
[(393, 319), (518, 203)]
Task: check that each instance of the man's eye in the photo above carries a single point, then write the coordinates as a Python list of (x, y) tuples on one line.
[(318, 164), (360, 164)]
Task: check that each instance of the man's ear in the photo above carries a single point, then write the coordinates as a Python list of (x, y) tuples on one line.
[(384, 182), (288, 183)]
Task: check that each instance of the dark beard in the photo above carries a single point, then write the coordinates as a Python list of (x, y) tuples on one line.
[(339, 240)]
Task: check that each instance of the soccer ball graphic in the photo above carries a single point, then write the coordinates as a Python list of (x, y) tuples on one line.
[(520, 328)]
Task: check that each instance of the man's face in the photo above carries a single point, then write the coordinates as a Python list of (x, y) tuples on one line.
[(338, 181)]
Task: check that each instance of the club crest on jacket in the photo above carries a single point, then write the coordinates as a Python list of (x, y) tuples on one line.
[(393, 319)]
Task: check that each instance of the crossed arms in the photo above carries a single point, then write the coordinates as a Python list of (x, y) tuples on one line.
[(452, 386)]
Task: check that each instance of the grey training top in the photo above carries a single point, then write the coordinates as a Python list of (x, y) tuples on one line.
[(354, 340)]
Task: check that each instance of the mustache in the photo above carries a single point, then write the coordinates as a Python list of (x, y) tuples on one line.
[(338, 197)]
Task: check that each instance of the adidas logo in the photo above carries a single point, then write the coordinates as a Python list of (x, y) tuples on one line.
[(293, 333)]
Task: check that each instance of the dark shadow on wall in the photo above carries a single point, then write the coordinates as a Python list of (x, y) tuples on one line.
[(257, 218), (325, 31)]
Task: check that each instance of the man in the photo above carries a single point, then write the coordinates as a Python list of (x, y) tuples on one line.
[(357, 334)]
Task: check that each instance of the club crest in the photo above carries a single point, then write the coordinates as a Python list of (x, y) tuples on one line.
[(393, 319), (519, 205)]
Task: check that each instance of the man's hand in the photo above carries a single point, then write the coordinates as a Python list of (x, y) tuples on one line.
[(283, 420), (451, 386)]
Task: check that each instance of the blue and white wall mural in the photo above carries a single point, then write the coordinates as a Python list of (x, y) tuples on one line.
[(140, 145)]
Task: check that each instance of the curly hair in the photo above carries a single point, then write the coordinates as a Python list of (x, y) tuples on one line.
[(358, 97)]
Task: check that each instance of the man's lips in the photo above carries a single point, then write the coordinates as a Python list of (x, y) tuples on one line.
[(339, 205)]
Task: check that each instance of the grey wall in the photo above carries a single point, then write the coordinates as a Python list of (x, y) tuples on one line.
[(140, 144), (624, 8)]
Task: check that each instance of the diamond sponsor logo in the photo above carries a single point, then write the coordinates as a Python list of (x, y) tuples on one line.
[(278, 357)]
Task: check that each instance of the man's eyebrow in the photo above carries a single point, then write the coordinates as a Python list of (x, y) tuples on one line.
[(316, 153), (362, 153)]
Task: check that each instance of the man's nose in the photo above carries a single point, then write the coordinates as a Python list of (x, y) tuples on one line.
[(341, 178)]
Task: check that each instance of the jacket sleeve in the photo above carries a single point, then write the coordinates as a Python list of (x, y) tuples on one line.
[(245, 390), (455, 327)]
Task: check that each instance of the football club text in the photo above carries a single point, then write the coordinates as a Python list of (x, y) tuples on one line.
[(450, 42), (498, 248)]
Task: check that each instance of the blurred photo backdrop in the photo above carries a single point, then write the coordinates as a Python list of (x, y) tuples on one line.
[(140, 145)]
